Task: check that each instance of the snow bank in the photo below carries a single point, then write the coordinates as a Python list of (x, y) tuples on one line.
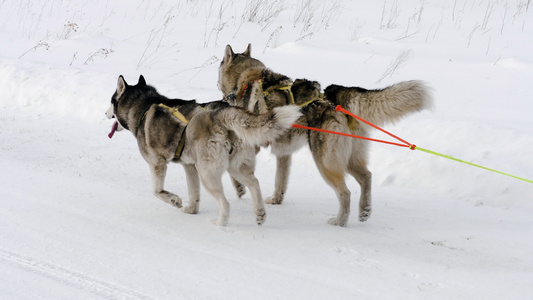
[(77, 219)]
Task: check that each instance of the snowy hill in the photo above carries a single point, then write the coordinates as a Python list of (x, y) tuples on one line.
[(77, 217)]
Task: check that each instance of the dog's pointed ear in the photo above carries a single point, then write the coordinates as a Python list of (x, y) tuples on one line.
[(248, 51), (228, 54), (142, 81), (121, 85)]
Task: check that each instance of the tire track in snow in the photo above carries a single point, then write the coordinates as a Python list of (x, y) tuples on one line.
[(69, 277)]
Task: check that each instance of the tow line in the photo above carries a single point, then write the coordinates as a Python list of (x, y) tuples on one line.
[(402, 144)]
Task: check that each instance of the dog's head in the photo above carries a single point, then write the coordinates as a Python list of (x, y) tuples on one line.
[(232, 66), (341, 95), (305, 90), (114, 111)]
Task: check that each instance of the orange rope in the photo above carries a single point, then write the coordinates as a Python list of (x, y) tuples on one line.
[(407, 144), (348, 135), (339, 108)]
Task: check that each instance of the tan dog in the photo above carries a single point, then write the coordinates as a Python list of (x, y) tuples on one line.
[(246, 82)]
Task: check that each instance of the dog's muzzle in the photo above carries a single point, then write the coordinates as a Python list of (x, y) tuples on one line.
[(110, 113)]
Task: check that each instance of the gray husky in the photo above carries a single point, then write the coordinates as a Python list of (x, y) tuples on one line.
[(246, 82), (206, 139)]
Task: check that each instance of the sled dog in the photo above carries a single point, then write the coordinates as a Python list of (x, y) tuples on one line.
[(246, 82), (206, 139)]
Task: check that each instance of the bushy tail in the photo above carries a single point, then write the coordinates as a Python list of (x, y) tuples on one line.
[(382, 106), (260, 129)]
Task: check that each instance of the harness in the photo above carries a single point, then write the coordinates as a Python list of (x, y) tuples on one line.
[(175, 112), (285, 88), (320, 97)]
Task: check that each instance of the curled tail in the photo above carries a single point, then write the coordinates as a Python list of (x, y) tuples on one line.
[(382, 106), (260, 129)]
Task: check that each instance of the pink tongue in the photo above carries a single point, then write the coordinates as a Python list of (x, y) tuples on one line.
[(113, 129)]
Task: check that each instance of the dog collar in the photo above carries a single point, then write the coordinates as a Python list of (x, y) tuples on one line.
[(230, 97)]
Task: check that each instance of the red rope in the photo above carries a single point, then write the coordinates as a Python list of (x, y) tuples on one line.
[(339, 108), (348, 135), (243, 90), (246, 87)]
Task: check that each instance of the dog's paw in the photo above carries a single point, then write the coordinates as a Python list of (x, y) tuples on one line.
[(222, 222), (169, 198), (260, 218), (191, 210), (176, 201), (337, 222), (274, 200), (365, 213), (240, 189)]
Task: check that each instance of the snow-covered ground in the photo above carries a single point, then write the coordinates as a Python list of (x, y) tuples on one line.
[(77, 217)]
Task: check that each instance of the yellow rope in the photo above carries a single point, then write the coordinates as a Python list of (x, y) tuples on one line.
[(413, 147), (469, 163)]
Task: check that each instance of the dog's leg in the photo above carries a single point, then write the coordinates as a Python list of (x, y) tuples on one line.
[(239, 187), (159, 172), (283, 164), (334, 177), (212, 181), (245, 174), (193, 184), (343, 194), (358, 169)]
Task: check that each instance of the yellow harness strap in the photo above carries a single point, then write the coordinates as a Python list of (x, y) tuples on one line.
[(181, 146), (175, 112), (307, 103), (320, 97), (281, 88), (288, 89)]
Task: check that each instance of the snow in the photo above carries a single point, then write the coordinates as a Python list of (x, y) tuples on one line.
[(77, 217)]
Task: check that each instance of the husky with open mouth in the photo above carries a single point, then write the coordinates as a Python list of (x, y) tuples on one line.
[(207, 139)]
